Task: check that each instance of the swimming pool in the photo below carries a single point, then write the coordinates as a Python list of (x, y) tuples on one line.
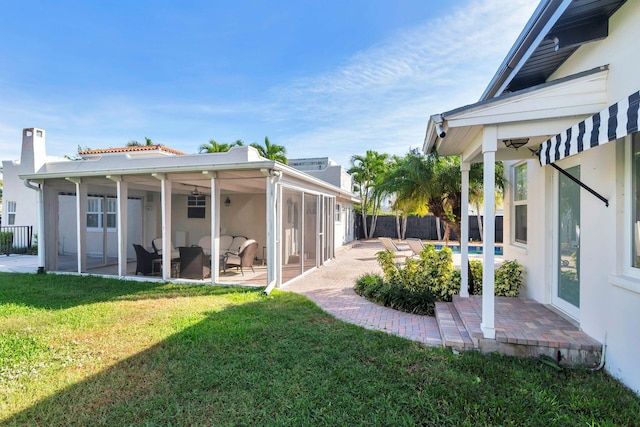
[(473, 249)]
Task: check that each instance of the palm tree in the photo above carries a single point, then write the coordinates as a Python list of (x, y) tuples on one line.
[(436, 181), (216, 147), (271, 151), (369, 172), (476, 197), (403, 204), (134, 143)]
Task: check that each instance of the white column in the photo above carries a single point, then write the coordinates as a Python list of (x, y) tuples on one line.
[(464, 231), (215, 227), (122, 191), (274, 272), (489, 148), (81, 223), (41, 233), (277, 258), (166, 228)]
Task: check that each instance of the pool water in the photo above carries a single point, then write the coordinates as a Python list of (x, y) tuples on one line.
[(473, 249)]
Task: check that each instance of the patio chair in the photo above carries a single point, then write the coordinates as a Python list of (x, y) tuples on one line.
[(144, 260), (244, 258), (194, 264), (400, 252), (415, 245), (157, 247)]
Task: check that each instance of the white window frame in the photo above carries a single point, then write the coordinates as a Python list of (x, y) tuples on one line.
[(629, 220), (196, 202), (11, 212), (338, 213), (112, 210), (515, 203), (627, 277)]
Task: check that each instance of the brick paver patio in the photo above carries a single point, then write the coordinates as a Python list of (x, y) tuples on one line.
[(331, 287)]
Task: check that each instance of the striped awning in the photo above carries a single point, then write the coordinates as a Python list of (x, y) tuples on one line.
[(616, 121)]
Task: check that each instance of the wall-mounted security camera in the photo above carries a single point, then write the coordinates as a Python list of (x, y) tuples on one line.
[(440, 130)]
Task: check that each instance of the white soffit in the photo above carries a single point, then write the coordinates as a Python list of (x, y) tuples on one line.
[(585, 95), (534, 114)]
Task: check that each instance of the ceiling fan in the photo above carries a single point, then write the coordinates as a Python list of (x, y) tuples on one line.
[(196, 192)]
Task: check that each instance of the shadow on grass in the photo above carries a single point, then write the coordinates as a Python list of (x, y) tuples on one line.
[(282, 361), (60, 291)]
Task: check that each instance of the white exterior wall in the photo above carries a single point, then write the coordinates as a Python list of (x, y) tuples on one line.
[(619, 50), (610, 290), (14, 190), (67, 241), (534, 255), (344, 228), (33, 155), (246, 216)]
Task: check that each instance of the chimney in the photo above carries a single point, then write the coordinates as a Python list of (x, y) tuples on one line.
[(34, 154)]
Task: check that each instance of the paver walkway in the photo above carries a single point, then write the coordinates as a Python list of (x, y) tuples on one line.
[(331, 287)]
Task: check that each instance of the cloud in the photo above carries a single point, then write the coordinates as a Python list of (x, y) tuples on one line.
[(381, 97)]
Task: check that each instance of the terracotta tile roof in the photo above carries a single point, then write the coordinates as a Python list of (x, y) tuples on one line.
[(132, 149)]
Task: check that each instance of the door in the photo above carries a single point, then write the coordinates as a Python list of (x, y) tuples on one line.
[(567, 284)]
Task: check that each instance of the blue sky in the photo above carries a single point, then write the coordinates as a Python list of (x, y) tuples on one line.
[(324, 78)]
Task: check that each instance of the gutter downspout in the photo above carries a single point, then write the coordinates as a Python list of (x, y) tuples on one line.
[(41, 254)]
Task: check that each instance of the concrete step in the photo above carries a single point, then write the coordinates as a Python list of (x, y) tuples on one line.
[(452, 330), (470, 317)]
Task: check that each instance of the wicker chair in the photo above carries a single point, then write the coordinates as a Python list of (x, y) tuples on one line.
[(244, 258), (144, 260)]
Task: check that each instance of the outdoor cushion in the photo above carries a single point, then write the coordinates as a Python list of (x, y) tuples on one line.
[(236, 245), (225, 243), (205, 244)]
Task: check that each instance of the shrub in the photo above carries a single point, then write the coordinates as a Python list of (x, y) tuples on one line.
[(419, 283), (509, 278), (415, 286), (6, 241)]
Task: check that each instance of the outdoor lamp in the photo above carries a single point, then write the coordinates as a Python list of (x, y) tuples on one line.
[(515, 143), (227, 202)]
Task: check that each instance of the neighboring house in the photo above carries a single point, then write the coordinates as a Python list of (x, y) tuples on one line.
[(99, 206), (18, 202), (329, 171), (567, 90)]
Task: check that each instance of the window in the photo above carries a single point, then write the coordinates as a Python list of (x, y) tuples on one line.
[(635, 199), (520, 204), (196, 206), (11, 213), (95, 212), (338, 212)]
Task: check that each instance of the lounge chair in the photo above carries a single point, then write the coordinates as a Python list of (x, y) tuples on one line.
[(415, 245), (144, 260), (244, 258), (401, 252)]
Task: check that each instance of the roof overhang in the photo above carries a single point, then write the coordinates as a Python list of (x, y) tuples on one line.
[(193, 168), (554, 32), (535, 113)]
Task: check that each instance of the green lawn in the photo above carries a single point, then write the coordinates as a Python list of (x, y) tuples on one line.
[(93, 351)]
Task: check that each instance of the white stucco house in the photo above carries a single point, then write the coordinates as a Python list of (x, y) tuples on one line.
[(562, 112), (90, 212)]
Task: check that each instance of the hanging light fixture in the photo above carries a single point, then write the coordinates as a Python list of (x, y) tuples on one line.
[(227, 202), (515, 143), (195, 191)]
